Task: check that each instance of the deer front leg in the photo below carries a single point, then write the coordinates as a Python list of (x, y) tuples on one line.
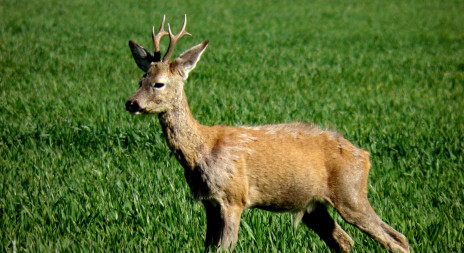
[(231, 215), (214, 224), (223, 223)]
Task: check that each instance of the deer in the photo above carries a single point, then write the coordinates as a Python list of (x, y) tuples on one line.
[(294, 167)]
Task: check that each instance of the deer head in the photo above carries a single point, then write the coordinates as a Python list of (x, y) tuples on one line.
[(162, 84)]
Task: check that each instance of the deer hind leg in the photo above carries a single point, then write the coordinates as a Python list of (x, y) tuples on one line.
[(368, 221), (352, 204), (319, 220)]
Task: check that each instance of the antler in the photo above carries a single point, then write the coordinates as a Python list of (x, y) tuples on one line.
[(157, 39), (174, 38)]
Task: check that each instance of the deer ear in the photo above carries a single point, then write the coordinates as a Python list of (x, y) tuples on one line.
[(188, 59), (142, 57)]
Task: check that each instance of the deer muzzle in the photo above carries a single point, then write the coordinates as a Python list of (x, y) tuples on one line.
[(132, 107)]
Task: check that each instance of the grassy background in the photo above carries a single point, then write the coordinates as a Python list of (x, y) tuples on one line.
[(79, 173)]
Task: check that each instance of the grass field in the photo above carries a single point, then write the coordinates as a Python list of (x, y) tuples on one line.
[(78, 173)]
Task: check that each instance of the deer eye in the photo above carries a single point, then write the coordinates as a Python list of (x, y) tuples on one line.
[(158, 85)]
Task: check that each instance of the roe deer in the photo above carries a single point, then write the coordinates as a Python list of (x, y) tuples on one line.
[(295, 168)]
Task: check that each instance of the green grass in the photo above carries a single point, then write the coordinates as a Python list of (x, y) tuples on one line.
[(78, 173)]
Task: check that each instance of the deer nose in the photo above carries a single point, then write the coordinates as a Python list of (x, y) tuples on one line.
[(132, 106)]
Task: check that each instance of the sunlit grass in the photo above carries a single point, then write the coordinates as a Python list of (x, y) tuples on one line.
[(79, 173)]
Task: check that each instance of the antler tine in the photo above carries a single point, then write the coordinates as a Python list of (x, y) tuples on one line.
[(157, 38), (174, 38)]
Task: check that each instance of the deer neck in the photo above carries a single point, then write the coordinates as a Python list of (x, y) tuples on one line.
[(183, 133)]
